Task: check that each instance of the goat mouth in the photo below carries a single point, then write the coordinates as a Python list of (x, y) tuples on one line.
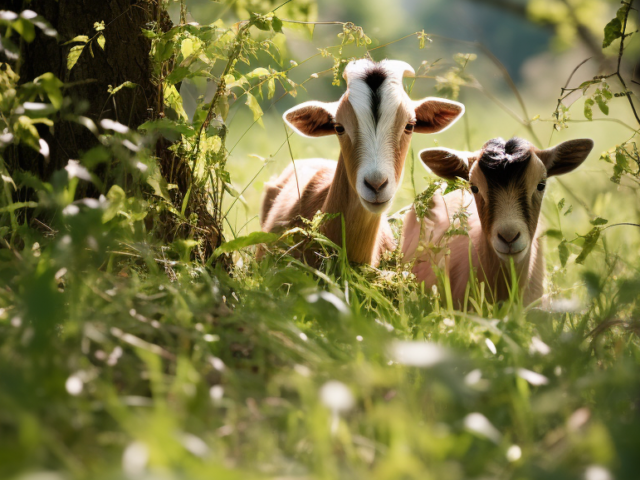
[(517, 257), (510, 253), (375, 207)]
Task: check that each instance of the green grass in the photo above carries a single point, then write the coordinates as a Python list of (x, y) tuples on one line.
[(123, 358), (119, 366)]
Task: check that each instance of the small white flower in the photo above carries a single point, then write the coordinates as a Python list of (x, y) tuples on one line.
[(596, 472), (302, 370), (135, 458), (533, 378), (514, 453), (115, 126), (75, 170), (336, 396), (538, 346), (217, 363), (491, 346), (418, 354), (70, 210), (74, 385), (473, 377), (194, 445), (216, 393), (480, 425)]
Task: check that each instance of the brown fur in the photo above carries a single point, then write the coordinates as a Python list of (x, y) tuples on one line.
[(309, 186), (455, 262), (506, 189), (324, 186)]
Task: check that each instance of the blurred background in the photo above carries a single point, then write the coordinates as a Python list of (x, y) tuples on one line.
[(539, 43)]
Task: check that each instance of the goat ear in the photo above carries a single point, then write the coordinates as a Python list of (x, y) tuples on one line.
[(312, 119), (448, 163), (566, 156), (436, 114)]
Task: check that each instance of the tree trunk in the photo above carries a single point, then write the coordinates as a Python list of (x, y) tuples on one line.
[(124, 58)]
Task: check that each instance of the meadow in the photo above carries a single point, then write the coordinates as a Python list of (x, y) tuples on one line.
[(127, 352)]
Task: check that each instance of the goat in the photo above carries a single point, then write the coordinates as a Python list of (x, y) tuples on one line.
[(507, 182), (374, 121)]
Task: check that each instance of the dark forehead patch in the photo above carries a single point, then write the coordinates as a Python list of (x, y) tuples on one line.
[(504, 162), (374, 78)]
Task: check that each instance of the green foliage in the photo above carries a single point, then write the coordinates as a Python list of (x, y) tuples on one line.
[(242, 242), (613, 30), (125, 357)]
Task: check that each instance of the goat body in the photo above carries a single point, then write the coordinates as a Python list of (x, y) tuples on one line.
[(321, 185), (426, 243), (374, 121)]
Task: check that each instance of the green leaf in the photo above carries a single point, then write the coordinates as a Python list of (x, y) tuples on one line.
[(25, 28), (126, 84), (621, 159), (254, 106), (271, 88), (74, 55), (17, 205), (99, 26), (254, 238), (52, 85), (258, 72), (602, 104), (612, 31), (599, 221), (177, 75), (116, 197), (78, 39), (168, 129), (276, 24), (261, 22), (101, 41), (588, 110), (590, 240), (186, 47), (563, 252), (622, 12), (553, 233)]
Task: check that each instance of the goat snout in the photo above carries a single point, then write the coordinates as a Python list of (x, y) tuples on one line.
[(510, 241), (509, 237), (376, 184)]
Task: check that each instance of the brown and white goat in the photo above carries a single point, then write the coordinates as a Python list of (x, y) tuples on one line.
[(374, 121), (507, 182)]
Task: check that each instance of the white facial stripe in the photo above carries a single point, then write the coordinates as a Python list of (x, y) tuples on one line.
[(377, 138)]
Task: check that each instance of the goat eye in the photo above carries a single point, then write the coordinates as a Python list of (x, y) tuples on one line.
[(338, 128), (541, 186), (409, 128), (474, 189)]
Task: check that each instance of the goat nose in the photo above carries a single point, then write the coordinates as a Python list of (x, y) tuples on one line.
[(376, 185), (505, 238)]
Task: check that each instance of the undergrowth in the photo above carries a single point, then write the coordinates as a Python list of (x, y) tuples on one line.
[(126, 357)]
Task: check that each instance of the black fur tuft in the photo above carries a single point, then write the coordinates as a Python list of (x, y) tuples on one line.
[(374, 78)]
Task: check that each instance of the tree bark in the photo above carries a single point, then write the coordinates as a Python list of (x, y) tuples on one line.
[(125, 58)]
